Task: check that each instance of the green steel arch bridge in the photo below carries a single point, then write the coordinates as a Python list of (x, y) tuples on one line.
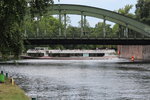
[(122, 39)]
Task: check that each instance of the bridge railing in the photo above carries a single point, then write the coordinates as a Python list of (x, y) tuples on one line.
[(83, 37), (87, 35)]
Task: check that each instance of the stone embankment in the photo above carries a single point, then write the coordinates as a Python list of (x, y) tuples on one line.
[(140, 52)]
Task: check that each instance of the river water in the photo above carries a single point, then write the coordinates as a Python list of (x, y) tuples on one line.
[(111, 79)]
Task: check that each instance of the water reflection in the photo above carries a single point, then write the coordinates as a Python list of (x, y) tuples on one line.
[(82, 80)]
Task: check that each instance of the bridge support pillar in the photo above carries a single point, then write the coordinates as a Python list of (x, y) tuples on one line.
[(37, 28), (104, 28), (60, 23), (84, 27), (126, 31), (81, 24), (65, 25), (141, 52)]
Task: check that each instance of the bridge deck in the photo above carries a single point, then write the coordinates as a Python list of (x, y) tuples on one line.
[(90, 41)]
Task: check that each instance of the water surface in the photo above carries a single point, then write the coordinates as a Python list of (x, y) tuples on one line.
[(82, 79)]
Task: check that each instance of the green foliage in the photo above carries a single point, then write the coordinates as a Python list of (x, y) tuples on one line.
[(115, 30), (86, 27), (12, 14), (39, 6), (99, 30), (85, 23), (45, 26), (120, 30), (126, 11), (73, 31), (143, 11)]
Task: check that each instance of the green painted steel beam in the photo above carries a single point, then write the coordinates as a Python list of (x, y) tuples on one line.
[(60, 29), (99, 13), (82, 24), (65, 24), (104, 28)]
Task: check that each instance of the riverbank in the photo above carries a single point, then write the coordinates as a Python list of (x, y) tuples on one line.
[(9, 92)]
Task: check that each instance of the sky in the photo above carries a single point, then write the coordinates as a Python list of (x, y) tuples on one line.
[(104, 4)]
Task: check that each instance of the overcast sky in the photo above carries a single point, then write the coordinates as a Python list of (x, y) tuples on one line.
[(105, 4)]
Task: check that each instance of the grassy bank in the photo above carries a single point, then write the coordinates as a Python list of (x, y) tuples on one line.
[(9, 92)]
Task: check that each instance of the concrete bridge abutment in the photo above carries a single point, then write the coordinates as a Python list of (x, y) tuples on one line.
[(140, 52)]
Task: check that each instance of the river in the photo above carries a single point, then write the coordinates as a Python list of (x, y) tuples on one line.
[(112, 79)]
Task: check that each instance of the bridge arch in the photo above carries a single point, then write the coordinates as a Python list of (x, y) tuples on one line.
[(102, 14)]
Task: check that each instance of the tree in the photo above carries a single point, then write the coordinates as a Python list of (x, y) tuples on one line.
[(126, 11), (12, 13), (73, 31), (47, 26), (39, 6), (120, 30), (86, 27), (98, 31), (143, 11)]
